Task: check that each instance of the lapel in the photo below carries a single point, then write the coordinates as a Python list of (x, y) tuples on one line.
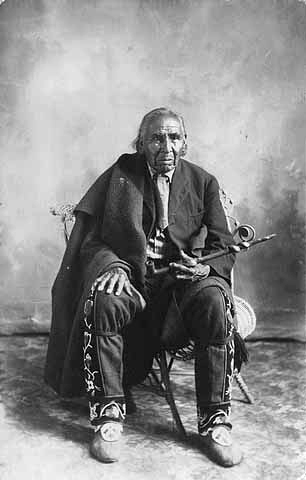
[(179, 189)]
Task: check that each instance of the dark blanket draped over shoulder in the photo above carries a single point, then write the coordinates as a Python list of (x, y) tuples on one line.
[(119, 189)]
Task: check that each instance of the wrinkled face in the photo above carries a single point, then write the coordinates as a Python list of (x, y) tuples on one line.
[(163, 143)]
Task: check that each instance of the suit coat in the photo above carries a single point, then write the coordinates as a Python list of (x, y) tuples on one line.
[(114, 220)]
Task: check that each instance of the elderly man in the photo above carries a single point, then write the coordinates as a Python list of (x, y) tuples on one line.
[(151, 208)]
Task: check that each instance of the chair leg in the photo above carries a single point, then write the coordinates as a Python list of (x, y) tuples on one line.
[(243, 387), (164, 371)]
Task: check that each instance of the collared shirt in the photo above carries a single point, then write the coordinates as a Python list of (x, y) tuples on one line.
[(168, 174), (159, 245)]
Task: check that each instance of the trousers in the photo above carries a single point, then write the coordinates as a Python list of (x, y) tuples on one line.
[(205, 313)]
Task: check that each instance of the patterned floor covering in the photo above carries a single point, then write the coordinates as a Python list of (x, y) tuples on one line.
[(42, 437)]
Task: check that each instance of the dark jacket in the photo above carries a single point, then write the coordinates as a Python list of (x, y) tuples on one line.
[(113, 222)]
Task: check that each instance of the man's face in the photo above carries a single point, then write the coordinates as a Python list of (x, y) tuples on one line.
[(163, 142)]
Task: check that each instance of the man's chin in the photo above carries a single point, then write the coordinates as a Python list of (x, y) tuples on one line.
[(164, 167)]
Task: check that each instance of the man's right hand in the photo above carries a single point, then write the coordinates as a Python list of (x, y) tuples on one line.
[(115, 281)]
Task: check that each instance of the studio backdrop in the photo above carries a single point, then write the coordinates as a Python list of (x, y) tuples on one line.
[(76, 78)]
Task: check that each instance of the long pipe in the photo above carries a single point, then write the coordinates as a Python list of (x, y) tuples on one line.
[(239, 248)]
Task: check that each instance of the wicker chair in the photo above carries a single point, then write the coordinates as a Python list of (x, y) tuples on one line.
[(159, 377)]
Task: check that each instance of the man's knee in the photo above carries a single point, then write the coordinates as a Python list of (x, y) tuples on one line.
[(211, 316), (112, 313)]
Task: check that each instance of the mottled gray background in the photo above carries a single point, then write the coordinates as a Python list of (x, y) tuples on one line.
[(76, 78)]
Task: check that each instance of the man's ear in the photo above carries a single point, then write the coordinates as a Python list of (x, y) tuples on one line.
[(184, 149), (140, 146)]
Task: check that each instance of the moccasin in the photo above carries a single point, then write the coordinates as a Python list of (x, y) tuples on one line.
[(219, 447)]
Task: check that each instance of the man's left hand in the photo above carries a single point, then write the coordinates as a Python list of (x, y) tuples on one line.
[(189, 269)]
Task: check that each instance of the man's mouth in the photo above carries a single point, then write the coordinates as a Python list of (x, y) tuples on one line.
[(165, 159)]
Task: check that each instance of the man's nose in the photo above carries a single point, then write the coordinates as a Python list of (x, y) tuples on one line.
[(166, 145)]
